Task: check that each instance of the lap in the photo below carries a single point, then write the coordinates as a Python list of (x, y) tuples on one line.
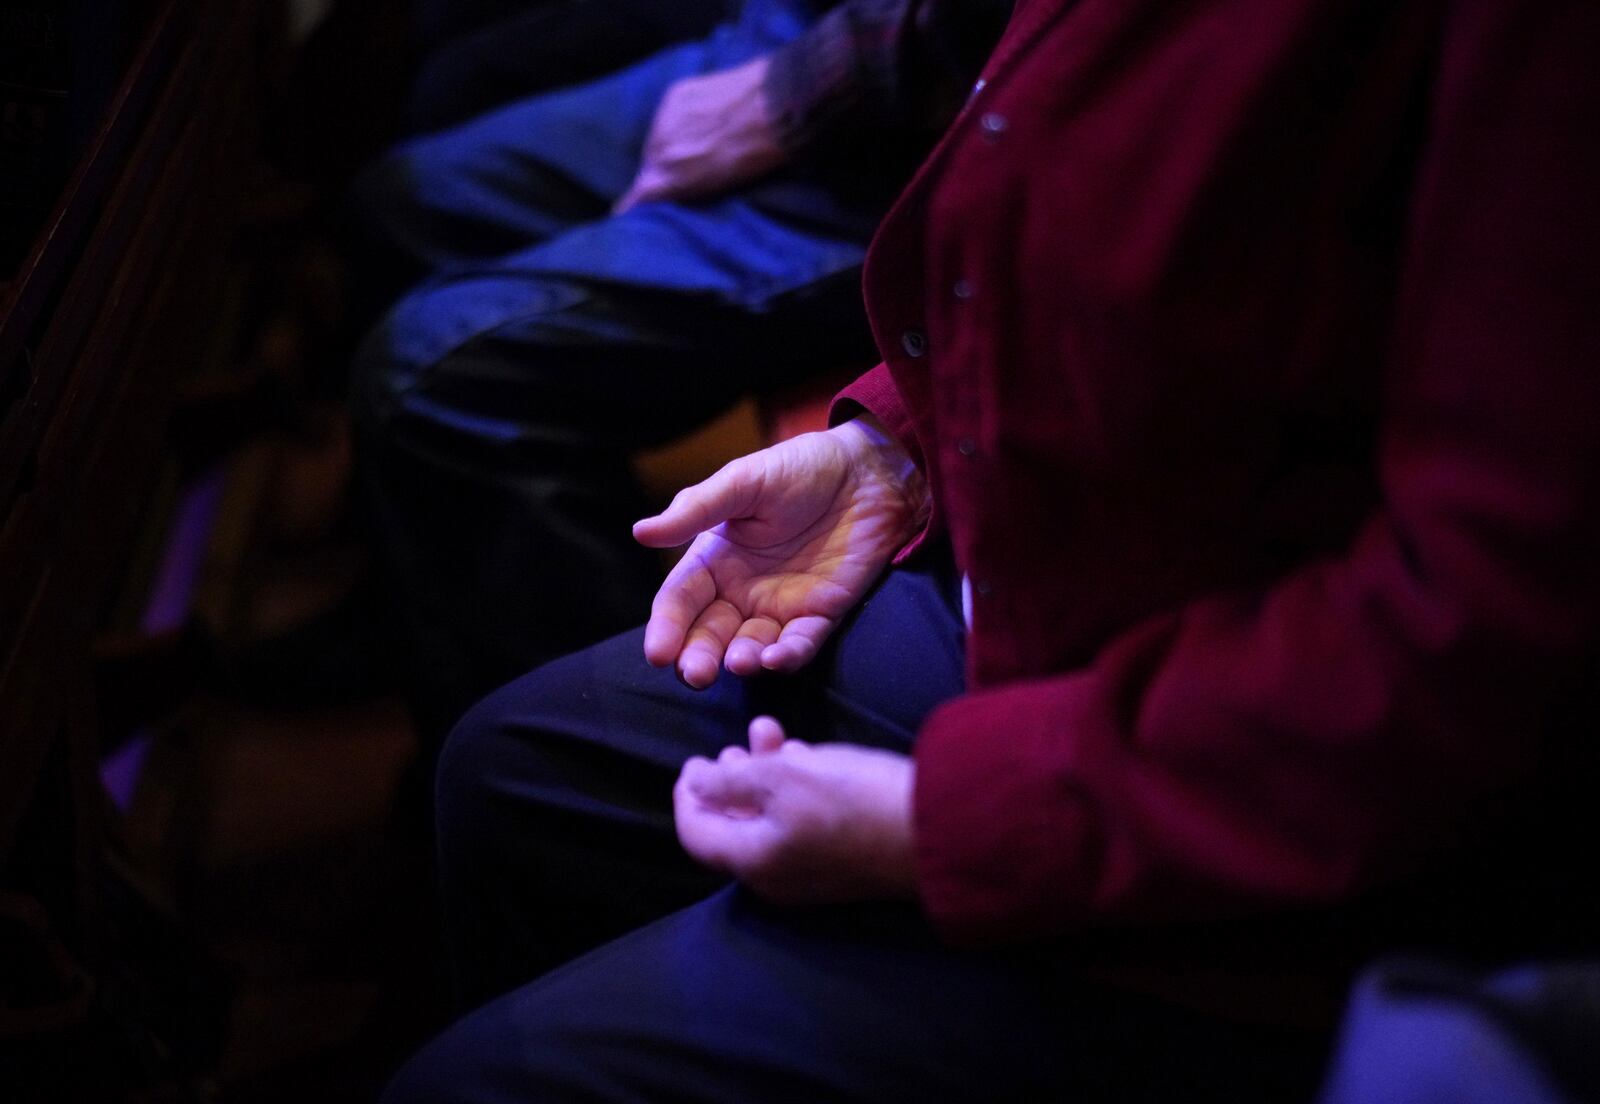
[(893, 661), (518, 174), (523, 172), (555, 792), (555, 806)]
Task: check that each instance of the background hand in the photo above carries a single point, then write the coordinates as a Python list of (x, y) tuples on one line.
[(710, 134), (789, 539), (799, 823)]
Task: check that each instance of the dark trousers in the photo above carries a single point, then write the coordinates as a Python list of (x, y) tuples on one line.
[(556, 834), (498, 404)]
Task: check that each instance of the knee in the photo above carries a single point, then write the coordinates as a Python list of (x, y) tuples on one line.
[(465, 782), (451, 1069), (525, 750), (389, 197), (378, 379), (466, 357), (517, 1041), (421, 1081), (491, 758), (402, 360)]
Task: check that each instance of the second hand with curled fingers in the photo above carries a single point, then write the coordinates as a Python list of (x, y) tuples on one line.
[(801, 823), (785, 541)]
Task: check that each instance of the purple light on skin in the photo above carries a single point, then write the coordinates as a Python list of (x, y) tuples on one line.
[(170, 600)]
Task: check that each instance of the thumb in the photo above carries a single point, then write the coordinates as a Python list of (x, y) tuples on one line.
[(766, 736), (628, 200), (650, 185), (730, 493)]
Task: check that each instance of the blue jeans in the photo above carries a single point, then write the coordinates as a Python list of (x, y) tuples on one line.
[(545, 341)]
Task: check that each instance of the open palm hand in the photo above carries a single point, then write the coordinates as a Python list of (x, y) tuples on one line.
[(786, 542)]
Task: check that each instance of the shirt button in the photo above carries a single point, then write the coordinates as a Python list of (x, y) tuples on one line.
[(967, 446), (963, 289), (984, 587), (993, 125), (914, 342)]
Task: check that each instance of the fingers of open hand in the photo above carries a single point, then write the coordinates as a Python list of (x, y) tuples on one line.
[(795, 646), (755, 635), (730, 493), (685, 593), (707, 642)]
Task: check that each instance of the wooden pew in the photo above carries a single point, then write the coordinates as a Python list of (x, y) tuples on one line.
[(107, 311)]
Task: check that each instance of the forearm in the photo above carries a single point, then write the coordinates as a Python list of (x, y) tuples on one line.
[(878, 66)]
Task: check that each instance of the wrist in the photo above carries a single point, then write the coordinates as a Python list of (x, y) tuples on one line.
[(899, 871), (881, 453)]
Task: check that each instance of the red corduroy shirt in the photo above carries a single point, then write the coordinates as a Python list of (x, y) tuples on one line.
[(1251, 350)]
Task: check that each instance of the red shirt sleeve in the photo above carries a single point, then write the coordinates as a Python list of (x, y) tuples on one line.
[(1291, 745)]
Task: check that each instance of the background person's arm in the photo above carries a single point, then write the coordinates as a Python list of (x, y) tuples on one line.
[(875, 66), (887, 66)]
